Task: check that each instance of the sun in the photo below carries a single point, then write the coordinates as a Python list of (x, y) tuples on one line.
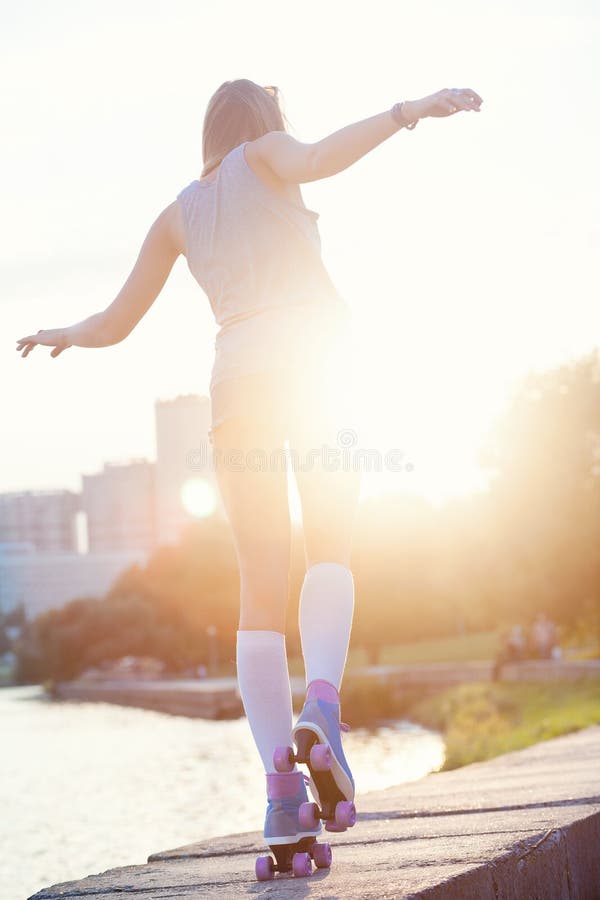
[(198, 497)]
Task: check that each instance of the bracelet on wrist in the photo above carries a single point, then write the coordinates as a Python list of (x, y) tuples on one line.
[(397, 112)]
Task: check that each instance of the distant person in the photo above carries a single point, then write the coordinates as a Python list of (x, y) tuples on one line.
[(281, 372), (513, 648), (543, 636), (517, 642)]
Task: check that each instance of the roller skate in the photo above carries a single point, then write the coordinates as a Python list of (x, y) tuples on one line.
[(317, 735), (293, 845)]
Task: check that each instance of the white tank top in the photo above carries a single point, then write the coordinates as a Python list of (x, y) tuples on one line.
[(257, 256)]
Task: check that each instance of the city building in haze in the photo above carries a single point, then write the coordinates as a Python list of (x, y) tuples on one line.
[(119, 505), (186, 488), (45, 519), (42, 581), (130, 508)]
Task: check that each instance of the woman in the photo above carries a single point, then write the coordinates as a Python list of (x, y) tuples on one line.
[(280, 374)]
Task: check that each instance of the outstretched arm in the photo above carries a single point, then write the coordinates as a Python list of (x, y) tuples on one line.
[(145, 282), (297, 162)]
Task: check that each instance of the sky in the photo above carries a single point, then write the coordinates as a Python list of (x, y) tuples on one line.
[(466, 248)]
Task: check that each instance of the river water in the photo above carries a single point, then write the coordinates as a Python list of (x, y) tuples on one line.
[(89, 786)]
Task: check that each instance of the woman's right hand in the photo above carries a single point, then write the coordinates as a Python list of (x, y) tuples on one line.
[(446, 102), (46, 337)]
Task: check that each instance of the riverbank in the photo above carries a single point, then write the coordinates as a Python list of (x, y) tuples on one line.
[(524, 825), (480, 721), (479, 718), (370, 695)]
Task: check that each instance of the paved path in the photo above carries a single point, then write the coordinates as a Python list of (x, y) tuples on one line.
[(524, 826)]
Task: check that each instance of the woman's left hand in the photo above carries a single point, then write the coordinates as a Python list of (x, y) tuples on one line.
[(52, 337)]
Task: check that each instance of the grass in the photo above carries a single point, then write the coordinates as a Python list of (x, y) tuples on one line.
[(475, 647), (462, 648), (480, 721)]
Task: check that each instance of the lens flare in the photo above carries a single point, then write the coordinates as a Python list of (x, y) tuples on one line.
[(198, 497)]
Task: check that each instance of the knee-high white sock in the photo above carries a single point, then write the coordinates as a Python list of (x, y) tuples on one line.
[(264, 684), (325, 619)]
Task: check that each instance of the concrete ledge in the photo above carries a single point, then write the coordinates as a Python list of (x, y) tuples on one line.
[(215, 698), (218, 698), (522, 826)]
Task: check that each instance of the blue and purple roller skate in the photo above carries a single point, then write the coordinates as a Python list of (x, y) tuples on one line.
[(293, 844), (317, 735)]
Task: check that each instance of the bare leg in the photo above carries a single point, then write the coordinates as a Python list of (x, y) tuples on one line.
[(255, 497), (254, 490), (329, 491)]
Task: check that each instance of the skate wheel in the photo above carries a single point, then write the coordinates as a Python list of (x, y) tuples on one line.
[(283, 759), (301, 865), (345, 814), (321, 854), (264, 868), (308, 816), (330, 825), (320, 757)]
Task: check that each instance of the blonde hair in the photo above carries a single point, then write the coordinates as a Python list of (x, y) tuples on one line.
[(238, 111)]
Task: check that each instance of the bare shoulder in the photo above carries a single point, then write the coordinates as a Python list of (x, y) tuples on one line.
[(259, 154), (272, 142), (279, 154)]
